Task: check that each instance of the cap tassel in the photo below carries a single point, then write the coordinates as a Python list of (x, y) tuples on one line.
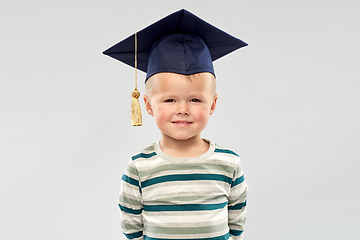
[(136, 118)]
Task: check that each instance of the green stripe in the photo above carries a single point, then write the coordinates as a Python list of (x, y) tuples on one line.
[(236, 232), (130, 201), (131, 227), (132, 170), (130, 180), (187, 230), (186, 177), (130, 210), (226, 151), (238, 181), (223, 237), (133, 235), (143, 155), (238, 206), (182, 167), (184, 207)]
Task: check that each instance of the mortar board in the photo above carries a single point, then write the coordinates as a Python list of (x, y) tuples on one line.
[(179, 43)]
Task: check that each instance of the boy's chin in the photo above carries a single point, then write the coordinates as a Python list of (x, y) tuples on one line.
[(180, 137)]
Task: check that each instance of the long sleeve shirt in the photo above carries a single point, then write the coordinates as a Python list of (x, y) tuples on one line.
[(164, 197)]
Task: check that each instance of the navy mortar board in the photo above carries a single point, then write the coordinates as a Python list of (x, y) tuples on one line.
[(179, 43)]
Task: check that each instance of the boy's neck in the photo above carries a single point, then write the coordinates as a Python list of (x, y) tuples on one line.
[(189, 148)]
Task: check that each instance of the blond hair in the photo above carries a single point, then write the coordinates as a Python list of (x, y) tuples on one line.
[(150, 83)]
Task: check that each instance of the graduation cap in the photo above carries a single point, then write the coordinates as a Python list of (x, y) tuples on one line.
[(179, 43)]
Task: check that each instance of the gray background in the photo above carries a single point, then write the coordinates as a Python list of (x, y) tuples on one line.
[(288, 104)]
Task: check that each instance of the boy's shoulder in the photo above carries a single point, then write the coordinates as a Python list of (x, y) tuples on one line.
[(226, 155), (147, 152), (224, 150)]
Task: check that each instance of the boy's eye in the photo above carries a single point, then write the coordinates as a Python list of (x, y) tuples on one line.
[(195, 100), (169, 100)]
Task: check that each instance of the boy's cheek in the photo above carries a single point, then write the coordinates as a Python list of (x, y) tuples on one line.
[(202, 112), (161, 116)]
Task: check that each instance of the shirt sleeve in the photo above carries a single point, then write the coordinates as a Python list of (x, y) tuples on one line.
[(237, 204), (130, 203)]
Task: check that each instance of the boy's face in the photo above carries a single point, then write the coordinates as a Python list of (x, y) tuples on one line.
[(181, 107)]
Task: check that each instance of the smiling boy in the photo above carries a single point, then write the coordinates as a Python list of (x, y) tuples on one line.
[(183, 186), (181, 106)]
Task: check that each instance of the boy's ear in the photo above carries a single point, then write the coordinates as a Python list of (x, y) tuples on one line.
[(213, 105), (148, 105)]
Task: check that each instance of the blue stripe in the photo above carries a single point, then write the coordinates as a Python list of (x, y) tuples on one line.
[(185, 177), (236, 232), (130, 180), (129, 210), (238, 206), (238, 181), (143, 155), (224, 237), (225, 151), (184, 207), (133, 235)]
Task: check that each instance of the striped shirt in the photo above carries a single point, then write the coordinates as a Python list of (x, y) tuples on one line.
[(164, 197)]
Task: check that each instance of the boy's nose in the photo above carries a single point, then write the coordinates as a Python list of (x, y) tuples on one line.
[(183, 110)]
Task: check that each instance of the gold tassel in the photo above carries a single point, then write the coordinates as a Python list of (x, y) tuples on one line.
[(136, 118)]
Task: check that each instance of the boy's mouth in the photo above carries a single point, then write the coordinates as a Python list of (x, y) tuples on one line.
[(182, 122)]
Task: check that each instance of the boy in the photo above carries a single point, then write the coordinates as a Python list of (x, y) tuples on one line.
[(182, 187)]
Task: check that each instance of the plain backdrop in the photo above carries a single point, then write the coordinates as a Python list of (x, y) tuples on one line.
[(288, 104)]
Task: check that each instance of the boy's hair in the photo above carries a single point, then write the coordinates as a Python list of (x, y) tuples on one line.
[(150, 83)]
